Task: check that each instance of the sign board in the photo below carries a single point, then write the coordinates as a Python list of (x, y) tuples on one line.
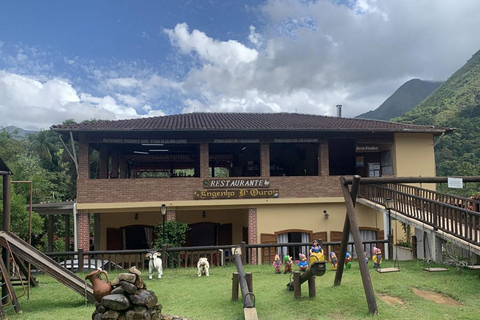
[(236, 183), (235, 194), (455, 183), (144, 141), (367, 148)]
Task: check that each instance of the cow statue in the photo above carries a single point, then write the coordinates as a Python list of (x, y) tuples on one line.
[(202, 267), (154, 264)]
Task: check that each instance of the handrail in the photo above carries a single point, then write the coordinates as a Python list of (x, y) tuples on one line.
[(458, 221)]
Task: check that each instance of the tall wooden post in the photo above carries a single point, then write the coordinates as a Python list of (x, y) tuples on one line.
[(6, 227), (367, 282), (345, 234), (67, 232)]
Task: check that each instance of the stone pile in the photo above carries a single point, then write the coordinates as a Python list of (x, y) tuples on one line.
[(129, 300)]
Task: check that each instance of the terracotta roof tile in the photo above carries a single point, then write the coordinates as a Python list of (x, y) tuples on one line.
[(248, 121)]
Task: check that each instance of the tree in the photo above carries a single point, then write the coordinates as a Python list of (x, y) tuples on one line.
[(175, 234)]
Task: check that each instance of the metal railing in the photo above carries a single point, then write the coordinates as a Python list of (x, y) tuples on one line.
[(451, 214)]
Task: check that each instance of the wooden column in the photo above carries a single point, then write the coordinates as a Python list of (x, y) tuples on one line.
[(114, 170), (67, 232), (297, 287), (103, 162), (97, 232), (312, 293), (122, 159), (265, 160), (204, 160), (235, 286), (323, 161), (50, 232)]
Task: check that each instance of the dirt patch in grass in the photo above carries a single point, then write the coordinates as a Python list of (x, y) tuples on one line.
[(436, 297), (392, 301)]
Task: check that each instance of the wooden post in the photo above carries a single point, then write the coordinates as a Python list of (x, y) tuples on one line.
[(367, 282), (297, 287), (67, 232), (11, 295), (6, 227), (244, 253), (345, 235), (249, 278), (164, 256), (96, 231), (235, 285), (50, 233), (80, 260), (247, 299), (312, 293)]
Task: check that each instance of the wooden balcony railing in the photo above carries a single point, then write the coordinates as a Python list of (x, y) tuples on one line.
[(457, 216)]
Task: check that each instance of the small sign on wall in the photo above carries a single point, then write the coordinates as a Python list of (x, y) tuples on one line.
[(455, 183)]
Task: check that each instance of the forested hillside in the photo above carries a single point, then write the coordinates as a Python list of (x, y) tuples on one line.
[(404, 99), (456, 103)]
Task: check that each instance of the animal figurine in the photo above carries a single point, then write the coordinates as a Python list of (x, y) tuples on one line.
[(203, 266), (377, 258), (277, 264), (348, 260), (154, 264), (333, 260), (288, 264), (303, 263)]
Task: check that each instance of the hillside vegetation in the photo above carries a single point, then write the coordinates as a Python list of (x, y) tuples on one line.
[(402, 100), (456, 104)]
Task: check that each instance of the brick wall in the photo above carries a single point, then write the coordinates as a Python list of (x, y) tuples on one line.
[(175, 189), (171, 215), (265, 160), (252, 232), (84, 231)]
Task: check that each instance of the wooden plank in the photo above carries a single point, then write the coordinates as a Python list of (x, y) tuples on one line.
[(476, 267), (387, 270), (250, 313), (435, 269)]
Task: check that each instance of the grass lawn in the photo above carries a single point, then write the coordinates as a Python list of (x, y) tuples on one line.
[(182, 293)]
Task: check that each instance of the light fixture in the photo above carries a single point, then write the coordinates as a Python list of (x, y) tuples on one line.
[(388, 203), (135, 216), (158, 150), (204, 215), (163, 210), (140, 152), (244, 148), (325, 214), (152, 144)]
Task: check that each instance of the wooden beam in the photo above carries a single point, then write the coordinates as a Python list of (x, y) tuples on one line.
[(67, 232), (345, 235), (367, 282)]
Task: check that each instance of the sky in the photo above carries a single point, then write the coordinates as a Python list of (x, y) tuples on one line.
[(110, 60)]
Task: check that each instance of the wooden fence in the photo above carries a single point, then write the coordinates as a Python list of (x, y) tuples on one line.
[(184, 257)]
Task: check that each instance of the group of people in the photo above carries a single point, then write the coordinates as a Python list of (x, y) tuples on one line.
[(316, 254)]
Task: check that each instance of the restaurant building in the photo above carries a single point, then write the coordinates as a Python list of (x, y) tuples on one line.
[(232, 177)]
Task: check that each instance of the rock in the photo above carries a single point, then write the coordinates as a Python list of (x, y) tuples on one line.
[(138, 314), (140, 284), (134, 270), (98, 316), (111, 315), (101, 309), (144, 298), (128, 287), (158, 307), (118, 290), (116, 302), (129, 277)]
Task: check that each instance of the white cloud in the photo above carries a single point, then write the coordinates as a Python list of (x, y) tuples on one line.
[(32, 104)]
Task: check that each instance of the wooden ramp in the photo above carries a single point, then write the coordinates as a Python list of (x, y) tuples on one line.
[(387, 270), (28, 253), (435, 269), (476, 267)]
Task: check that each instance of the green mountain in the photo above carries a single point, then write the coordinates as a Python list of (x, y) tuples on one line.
[(456, 104), (403, 100), (17, 133)]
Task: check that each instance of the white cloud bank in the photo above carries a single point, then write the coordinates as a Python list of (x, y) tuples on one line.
[(306, 57), (32, 104)]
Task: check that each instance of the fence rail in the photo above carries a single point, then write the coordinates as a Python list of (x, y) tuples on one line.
[(457, 216), (187, 257)]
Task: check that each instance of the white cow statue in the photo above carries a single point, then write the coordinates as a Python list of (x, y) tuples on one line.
[(202, 267), (155, 264)]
